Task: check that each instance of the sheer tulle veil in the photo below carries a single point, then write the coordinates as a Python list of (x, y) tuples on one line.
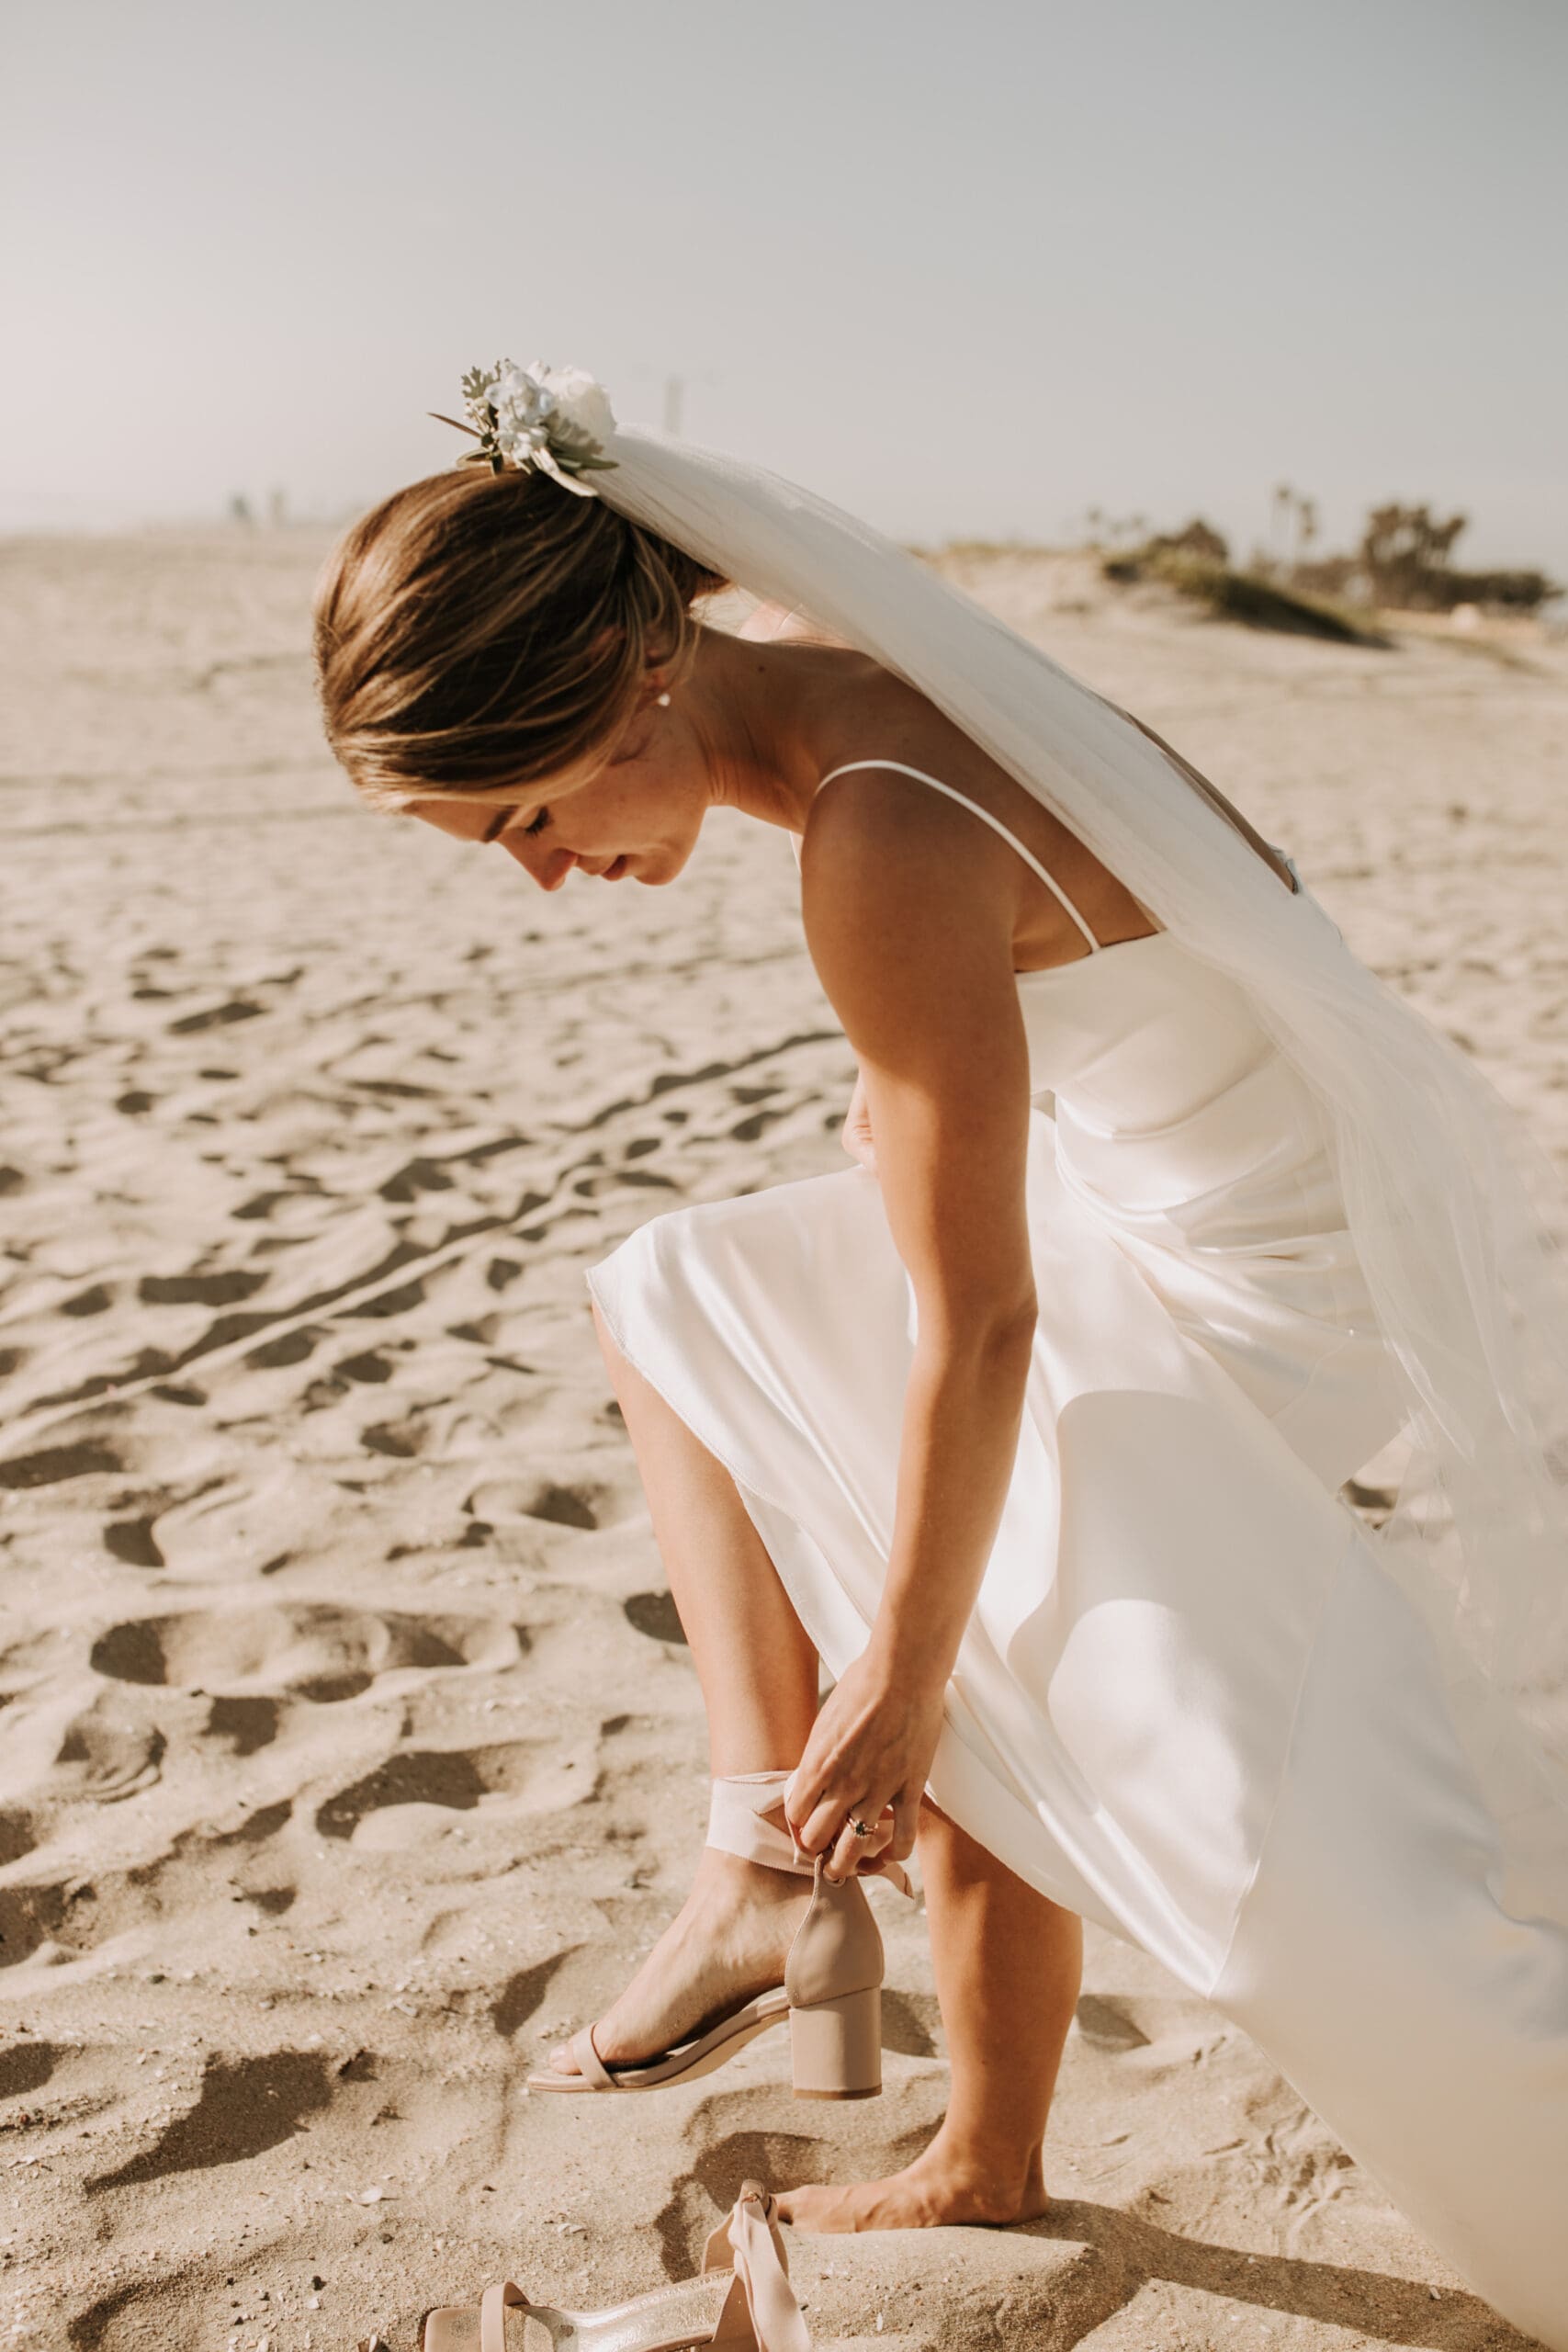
[(1450, 1204)]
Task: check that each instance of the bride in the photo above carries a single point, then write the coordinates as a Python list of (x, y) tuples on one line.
[(1031, 1426)]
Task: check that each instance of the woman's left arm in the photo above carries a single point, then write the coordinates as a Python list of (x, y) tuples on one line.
[(910, 946)]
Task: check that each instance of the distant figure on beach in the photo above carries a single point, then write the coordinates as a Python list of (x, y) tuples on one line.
[(1165, 1216)]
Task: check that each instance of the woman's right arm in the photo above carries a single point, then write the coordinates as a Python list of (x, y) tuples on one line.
[(913, 945)]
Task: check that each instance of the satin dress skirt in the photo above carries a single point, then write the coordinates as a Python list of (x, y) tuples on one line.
[(1192, 1704)]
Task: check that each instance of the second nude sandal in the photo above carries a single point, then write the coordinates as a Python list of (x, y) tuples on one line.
[(831, 1994), (743, 2301)]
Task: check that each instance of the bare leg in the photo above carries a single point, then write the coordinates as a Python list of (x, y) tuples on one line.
[(756, 1667), (758, 1673), (1009, 1964)]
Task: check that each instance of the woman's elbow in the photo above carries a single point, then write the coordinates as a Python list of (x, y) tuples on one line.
[(994, 1326)]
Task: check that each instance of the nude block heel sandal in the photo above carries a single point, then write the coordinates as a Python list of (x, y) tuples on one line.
[(833, 1984), (831, 1994), (835, 2047), (743, 2300)]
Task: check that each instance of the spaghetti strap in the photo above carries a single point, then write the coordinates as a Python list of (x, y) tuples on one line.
[(995, 824)]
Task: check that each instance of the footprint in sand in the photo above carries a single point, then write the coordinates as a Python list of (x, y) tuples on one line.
[(53, 1464), (504, 1501), (247, 1723), (522, 1995), (250, 1526), (16, 1837), (228, 1287), (102, 1758), (94, 1301), (133, 1543), (311, 1650), (1150, 2034), (910, 2022), (411, 1795), (25, 2066), (655, 1614), (29, 1917), (245, 2107), (1106, 2024), (220, 1016)]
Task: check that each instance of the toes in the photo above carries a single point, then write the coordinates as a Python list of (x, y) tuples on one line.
[(561, 2059)]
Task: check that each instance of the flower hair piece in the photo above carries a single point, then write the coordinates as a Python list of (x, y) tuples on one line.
[(557, 419)]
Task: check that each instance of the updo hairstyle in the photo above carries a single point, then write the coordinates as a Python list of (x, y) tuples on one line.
[(481, 631)]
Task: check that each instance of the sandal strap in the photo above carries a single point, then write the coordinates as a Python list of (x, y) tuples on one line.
[(589, 2066), (499, 2299), (750, 2240)]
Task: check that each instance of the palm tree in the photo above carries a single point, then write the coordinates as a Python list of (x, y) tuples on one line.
[(1283, 498)]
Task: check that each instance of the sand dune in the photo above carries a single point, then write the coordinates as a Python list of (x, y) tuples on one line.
[(348, 1750)]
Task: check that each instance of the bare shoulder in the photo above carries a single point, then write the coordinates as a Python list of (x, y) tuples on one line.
[(903, 895), (879, 845)]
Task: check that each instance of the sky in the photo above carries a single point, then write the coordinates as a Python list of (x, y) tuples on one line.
[(969, 268)]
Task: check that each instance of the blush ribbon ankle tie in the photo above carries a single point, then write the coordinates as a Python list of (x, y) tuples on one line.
[(746, 1817)]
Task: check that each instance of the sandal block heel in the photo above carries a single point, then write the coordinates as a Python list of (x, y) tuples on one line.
[(836, 2047), (833, 1978)]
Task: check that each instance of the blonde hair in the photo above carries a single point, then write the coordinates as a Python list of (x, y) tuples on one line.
[(476, 631)]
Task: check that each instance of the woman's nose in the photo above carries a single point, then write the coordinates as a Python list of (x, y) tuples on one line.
[(548, 871)]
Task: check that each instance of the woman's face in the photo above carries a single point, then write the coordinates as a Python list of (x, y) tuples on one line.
[(638, 815)]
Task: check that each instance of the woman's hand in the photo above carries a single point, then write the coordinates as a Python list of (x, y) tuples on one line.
[(855, 1132), (867, 1759)]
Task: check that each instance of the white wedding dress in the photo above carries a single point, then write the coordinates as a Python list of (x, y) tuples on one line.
[(1190, 1704)]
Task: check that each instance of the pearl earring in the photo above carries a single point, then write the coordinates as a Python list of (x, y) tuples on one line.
[(663, 700)]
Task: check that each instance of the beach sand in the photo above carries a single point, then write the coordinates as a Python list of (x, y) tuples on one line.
[(348, 1750)]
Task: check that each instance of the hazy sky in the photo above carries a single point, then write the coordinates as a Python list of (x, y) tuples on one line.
[(968, 268)]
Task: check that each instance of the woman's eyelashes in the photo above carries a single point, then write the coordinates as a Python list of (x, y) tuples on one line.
[(503, 825)]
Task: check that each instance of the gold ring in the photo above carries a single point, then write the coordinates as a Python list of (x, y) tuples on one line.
[(861, 1828)]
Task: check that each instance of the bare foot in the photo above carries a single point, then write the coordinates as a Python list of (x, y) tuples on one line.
[(939, 2190), (728, 1942)]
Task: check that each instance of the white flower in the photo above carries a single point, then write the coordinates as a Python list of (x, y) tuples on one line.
[(523, 405), (555, 419), (582, 405)]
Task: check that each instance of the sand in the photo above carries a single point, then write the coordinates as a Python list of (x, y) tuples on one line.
[(348, 1751)]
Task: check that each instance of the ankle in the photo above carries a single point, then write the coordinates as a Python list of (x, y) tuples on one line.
[(733, 1883), (992, 2180)]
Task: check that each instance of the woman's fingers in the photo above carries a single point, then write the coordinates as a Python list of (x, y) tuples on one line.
[(849, 1850), (829, 1821), (813, 1808), (843, 1860), (815, 1834)]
